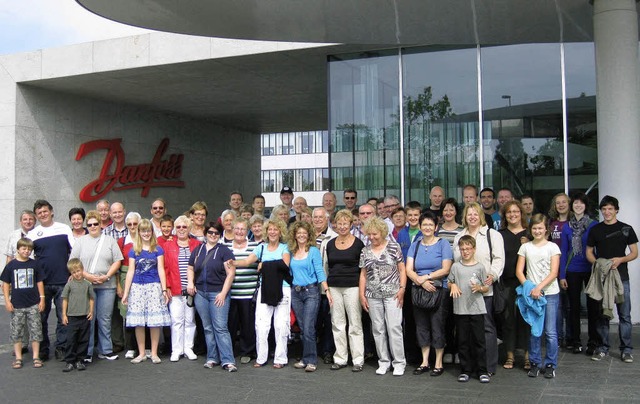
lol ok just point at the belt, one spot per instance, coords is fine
(305, 288)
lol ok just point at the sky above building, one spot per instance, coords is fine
(28, 25)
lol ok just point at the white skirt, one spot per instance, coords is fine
(146, 306)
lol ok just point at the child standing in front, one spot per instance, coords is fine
(77, 311)
(542, 259)
(466, 286)
(145, 291)
(24, 298)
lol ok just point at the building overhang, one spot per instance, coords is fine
(391, 22)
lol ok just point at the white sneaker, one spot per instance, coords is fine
(398, 371)
(174, 357)
(147, 353)
(130, 354)
(190, 355)
(382, 370)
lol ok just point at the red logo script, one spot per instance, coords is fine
(158, 173)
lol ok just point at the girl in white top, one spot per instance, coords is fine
(542, 259)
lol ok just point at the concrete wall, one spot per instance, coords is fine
(51, 126)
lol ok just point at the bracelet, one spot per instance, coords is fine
(42, 296)
(326, 291)
(402, 287)
(164, 290)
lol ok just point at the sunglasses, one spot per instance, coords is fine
(132, 224)
(180, 227)
(93, 224)
(158, 208)
(213, 233)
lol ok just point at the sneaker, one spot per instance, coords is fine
(447, 358)
(357, 368)
(174, 357)
(299, 365)
(463, 378)
(398, 371)
(598, 356)
(210, 364)
(109, 356)
(88, 359)
(534, 371)
(310, 368)
(627, 357)
(130, 354)
(68, 368)
(338, 366)
(230, 367)
(245, 359)
(192, 356)
(156, 359)
(577, 349)
(485, 379)
(382, 370)
(549, 372)
(80, 366)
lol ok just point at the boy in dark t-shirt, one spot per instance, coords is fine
(610, 239)
(24, 298)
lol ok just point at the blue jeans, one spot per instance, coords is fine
(52, 292)
(624, 324)
(103, 310)
(216, 331)
(306, 303)
(550, 333)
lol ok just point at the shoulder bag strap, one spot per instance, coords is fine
(94, 262)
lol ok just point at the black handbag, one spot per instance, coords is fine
(424, 299)
(499, 297)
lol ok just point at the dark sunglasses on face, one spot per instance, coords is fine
(213, 233)
(93, 224)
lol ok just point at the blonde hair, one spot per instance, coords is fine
(344, 214)
(144, 224)
(377, 224)
(279, 224)
(293, 229)
(92, 214)
(475, 206)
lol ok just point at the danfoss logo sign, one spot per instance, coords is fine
(116, 176)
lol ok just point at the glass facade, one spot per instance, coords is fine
(494, 116)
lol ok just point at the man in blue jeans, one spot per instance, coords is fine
(610, 239)
(52, 243)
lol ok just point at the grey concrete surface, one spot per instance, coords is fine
(579, 380)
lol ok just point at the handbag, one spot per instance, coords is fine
(499, 297)
(424, 299)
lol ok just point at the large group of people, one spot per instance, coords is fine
(424, 285)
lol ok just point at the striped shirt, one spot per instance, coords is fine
(183, 263)
(246, 279)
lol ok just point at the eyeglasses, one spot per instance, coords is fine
(466, 249)
(132, 224)
(181, 227)
(213, 233)
(157, 207)
(96, 224)
(349, 197)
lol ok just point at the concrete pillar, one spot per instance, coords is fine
(618, 107)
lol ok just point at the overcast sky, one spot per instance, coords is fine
(27, 25)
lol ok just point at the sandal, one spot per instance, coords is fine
(259, 365)
(37, 363)
(279, 365)
(508, 364)
(527, 364)
(17, 364)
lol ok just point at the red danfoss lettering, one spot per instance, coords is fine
(158, 173)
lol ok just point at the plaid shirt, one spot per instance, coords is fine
(115, 233)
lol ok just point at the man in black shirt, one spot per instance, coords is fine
(610, 239)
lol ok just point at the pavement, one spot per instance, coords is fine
(578, 380)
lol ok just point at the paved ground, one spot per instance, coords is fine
(579, 380)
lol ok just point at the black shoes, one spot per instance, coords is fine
(68, 368)
(80, 366)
